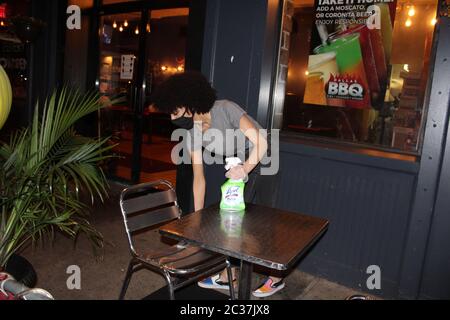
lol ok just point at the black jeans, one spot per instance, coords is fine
(261, 189)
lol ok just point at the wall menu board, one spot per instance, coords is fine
(349, 65)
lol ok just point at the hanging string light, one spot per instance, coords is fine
(115, 25)
(137, 30)
(120, 28)
(411, 11)
(408, 23)
(125, 23)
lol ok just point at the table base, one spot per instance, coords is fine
(245, 280)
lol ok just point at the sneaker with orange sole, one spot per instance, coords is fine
(268, 288)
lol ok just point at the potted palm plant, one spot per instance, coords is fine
(43, 168)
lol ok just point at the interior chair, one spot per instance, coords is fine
(145, 206)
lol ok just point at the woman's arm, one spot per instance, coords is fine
(259, 149)
(259, 143)
(199, 182)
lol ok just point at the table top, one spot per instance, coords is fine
(266, 236)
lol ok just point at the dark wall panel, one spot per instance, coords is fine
(48, 61)
(436, 272)
(429, 207)
(235, 70)
(196, 30)
(436, 275)
(368, 208)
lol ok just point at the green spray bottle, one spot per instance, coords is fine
(232, 190)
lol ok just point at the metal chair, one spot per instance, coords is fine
(149, 204)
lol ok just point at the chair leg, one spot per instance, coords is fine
(171, 291)
(170, 286)
(230, 281)
(127, 279)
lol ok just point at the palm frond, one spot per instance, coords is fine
(43, 167)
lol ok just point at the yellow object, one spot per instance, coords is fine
(5, 96)
(408, 23)
(315, 89)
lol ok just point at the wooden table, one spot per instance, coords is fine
(269, 237)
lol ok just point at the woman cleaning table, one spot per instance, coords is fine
(193, 105)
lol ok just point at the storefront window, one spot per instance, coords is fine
(356, 72)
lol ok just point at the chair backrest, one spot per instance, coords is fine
(146, 205)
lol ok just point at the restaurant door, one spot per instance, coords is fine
(137, 51)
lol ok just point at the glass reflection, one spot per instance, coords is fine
(231, 222)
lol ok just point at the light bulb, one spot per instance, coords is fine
(121, 29)
(411, 11)
(306, 72)
(125, 24)
(163, 68)
(136, 31)
(147, 28)
(180, 68)
(433, 21)
(114, 25)
(408, 23)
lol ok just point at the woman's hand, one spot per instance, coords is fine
(236, 173)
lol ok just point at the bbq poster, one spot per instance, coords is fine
(350, 53)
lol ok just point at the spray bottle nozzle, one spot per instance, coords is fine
(232, 162)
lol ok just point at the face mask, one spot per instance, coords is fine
(184, 122)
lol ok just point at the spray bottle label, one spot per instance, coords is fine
(233, 195)
(232, 190)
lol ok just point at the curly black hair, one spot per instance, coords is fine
(190, 89)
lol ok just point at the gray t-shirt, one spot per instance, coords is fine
(223, 137)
